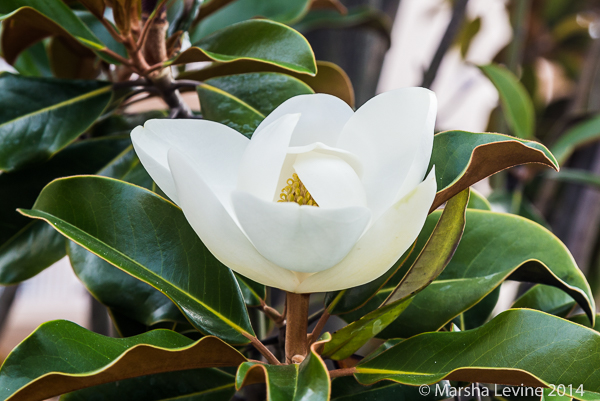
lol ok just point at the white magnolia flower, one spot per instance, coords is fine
(363, 169)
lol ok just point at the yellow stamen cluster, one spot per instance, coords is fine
(295, 191)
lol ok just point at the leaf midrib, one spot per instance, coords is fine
(50, 217)
(64, 103)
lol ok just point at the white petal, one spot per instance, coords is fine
(152, 152)
(218, 231)
(299, 238)
(381, 246)
(259, 171)
(330, 180)
(215, 149)
(387, 134)
(288, 165)
(322, 120)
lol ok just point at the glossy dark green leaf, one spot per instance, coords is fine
(307, 381)
(33, 62)
(330, 78)
(149, 238)
(259, 40)
(349, 339)
(516, 103)
(437, 252)
(243, 101)
(584, 321)
(40, 116)
(61, 357)
(478, 201)
(479, 313)
(29, 21)
(348, 389)
(252, 291)
(575, 176)
(517, 347)
(463, 158)
(494, 247)
(581, 134)
(285, 12)
(28, 247)
(187, 385)
(547, 299)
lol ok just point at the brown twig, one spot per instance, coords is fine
(272, 313)
(153, 68)
(118, 57)
(260, 347)
(341, 372)
(312, 337)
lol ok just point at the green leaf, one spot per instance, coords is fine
(259, 40)
(547, 299)
(308, 380)
(60, 357)
(348, 389)
(584, 321)
(330, 78)
(494, 247)
(40, 116)
(149, 238)
(516, 103)
(28, 247)
(187, 385)
(349, 339)
(285, 12)
(478, 201)
(252, 291)
(463, 158)
(575, 176)
(437, 252)
(33, 20)
(579, 135)
(517, 347)
(33, 62)
(478, 314)
(243, 101)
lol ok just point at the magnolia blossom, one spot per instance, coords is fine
(321, 198)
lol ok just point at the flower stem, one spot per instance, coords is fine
(296, 340)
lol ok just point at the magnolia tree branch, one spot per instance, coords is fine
(260, 347)
(296, 340)
(318, 328)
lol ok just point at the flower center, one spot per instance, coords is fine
(295, 191)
